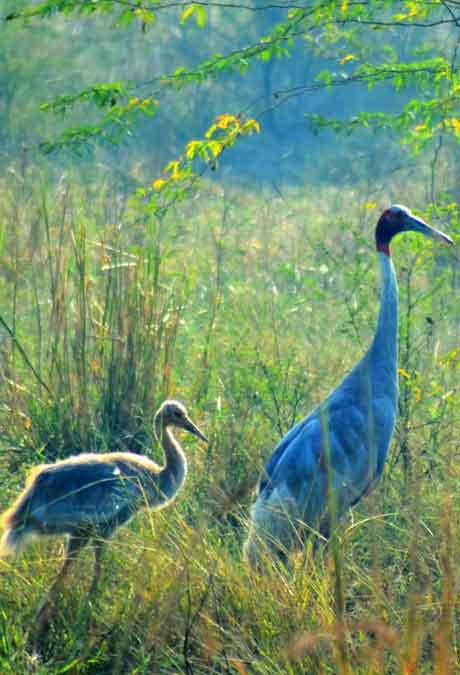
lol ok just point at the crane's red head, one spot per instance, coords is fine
(398, 219)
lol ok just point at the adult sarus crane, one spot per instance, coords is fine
(336, 455)
(90, 496)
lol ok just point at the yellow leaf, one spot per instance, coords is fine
(420, 127)
(145, 15)
(27, 423)
(224, 121)
(215, 147)
(187, 13)
(251, 125)
(404, 373)
(370, 205)
(173, 167)
(192, 149)
(413, 9)
(238, 665)
(147, 102)
(453, 123)
(344, 7)
(347, 58)
(158, 184)
(211, 130)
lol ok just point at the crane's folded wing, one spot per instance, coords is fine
(343, 440)
(82, 494)
(337, 403)
(274, 458)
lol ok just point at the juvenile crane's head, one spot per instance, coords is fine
(399, 219)
(174, 414)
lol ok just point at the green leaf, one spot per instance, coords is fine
(200, 16)
(198, 11)
(125, 18)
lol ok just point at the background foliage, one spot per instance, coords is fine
(246, 292)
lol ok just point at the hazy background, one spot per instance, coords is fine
(62, 55)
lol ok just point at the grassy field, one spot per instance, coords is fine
(249, 308)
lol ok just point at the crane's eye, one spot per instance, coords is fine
(387, 216)
(392, 213)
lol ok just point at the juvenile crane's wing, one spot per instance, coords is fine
(86, 494)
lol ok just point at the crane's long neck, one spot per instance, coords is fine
(173, 473)
(383, 350)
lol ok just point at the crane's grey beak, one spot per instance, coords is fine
(189, 426)
(419, 225)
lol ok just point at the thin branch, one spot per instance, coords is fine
(283, 95)
(154, 8)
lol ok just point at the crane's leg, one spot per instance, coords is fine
(98, 551)
(42, 618)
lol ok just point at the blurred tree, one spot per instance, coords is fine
(404, 52)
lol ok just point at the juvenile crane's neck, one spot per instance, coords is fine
(174, 471)
(383, 350)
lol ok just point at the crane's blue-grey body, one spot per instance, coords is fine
(89, 496)
(343, 443)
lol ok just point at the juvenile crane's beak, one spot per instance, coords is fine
(411, 222)
(189, 426)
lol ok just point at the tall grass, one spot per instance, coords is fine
(249, 308)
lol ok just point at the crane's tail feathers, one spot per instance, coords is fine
(16, 535)
(18, 530)
(14, 541)
(11, 543)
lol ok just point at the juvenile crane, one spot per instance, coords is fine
(90, 496)
(336, 455)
